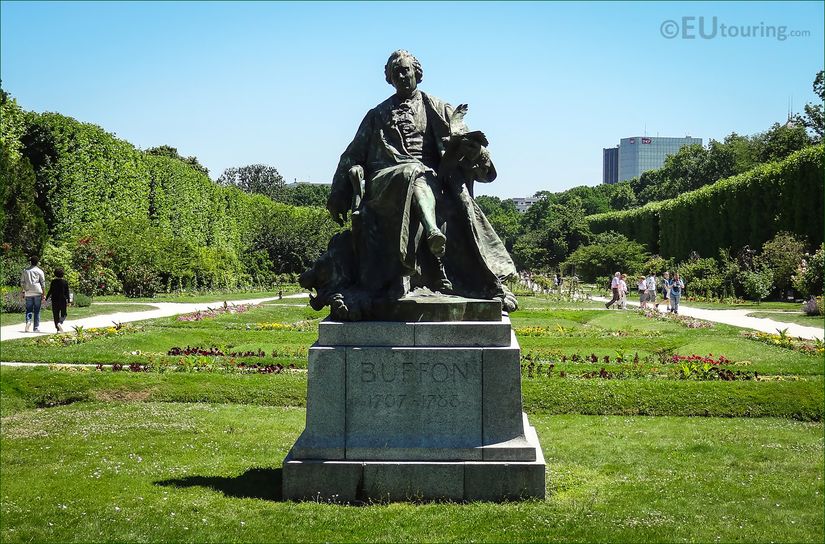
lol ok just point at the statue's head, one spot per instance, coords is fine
(403, 71)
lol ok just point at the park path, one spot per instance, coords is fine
(737, 318)
(740, 318)
(162, 309)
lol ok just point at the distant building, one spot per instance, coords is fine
(610, 165)
(641, 153)
(523, 204)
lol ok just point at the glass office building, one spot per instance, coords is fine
(610, 165)
(642, 153)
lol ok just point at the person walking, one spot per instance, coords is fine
(642, 287)
(676, 288)
(623, 292)
(666, 282)
(33, 282)
(59, 293)
(614, 286)
(650, 288)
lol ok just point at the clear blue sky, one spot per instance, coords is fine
(286, 84)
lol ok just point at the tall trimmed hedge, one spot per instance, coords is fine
(747, 209)
(89, 182)
(640, 224)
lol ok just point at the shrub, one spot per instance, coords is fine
(813, 306)
(82, 301)
(609, 252)
(783, 254)
(13, 302)
(702, 276)
(757, 283)
(808, 277)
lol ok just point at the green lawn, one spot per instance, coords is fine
(125, 471)
(167, 455)
(288, 288)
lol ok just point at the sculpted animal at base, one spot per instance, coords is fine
(333, 277)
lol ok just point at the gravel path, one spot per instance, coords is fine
(162, 309)
(740, 318)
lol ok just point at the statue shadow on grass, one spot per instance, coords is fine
(255, 483)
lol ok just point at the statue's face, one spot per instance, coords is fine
(403, 78)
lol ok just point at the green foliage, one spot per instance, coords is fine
(21, 220)
(553, 231)
(640, 224)
(609, 252)
(814, 120)
(701, 276)
(307, 194)
(172, 152)
(808, 278)
(758, 283)
(256, 179)
(746, 209)
(59, 256)
(783, 254)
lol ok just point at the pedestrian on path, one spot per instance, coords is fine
(666, 282)
(676, 287)
(650, 287)
(59, 293)
(33, 282)
(614, 286)
(623, 292)
(642, 287)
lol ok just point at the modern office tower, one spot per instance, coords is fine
(610, 165)
(642, 153)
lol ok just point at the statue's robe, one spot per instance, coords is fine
(388, 231)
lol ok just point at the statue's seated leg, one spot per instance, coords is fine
(424, 201)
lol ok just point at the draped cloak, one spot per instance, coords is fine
(387, 231)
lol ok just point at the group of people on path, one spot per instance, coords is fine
(33, 283)
(670, 288)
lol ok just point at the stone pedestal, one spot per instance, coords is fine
(423, 410)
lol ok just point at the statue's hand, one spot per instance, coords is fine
(338, 208)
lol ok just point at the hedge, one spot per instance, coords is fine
(747, 209)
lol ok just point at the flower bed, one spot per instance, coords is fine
(81, 334)
(783, 340)
(685, 321)
(215, 312)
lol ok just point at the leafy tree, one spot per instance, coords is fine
(609, 252)
(779, 142)
(169, 151)
(307, 194)
(783, 254)
(552, 231)
(623, 197)
(757, 283)
(257, 179)
(503, 216)
(814, 119)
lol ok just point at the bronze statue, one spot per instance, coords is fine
(407, 178)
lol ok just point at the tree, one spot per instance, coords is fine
(308, 194)
(814, 119)
(503, 216)
(609, 252)
(257, 179)
(757, 283)
(783, 254)
(623, 197)
(779, 141)
(169, 151)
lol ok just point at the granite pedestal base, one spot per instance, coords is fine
(401, 411)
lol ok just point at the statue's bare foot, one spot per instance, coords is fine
(437, 243)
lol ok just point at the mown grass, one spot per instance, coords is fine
(97, 472)
(93, 456)
(204, 296)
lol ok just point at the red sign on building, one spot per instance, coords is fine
(646, 140)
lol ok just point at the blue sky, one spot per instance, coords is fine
(286, 84)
